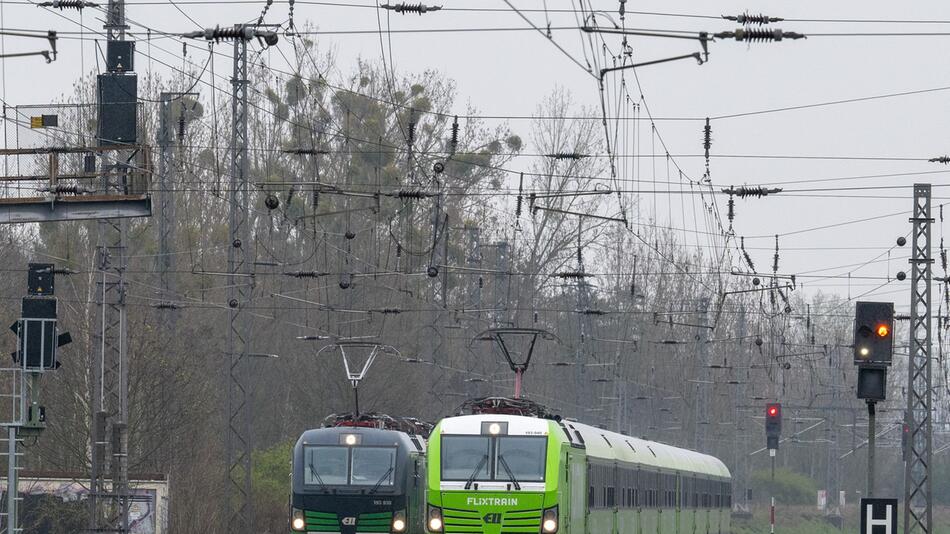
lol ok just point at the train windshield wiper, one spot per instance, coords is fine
(478, 466)
(511, 476)
(313, 471)
(381, 479)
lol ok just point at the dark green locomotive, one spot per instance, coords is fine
(358, 478)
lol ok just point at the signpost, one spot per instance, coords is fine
(878, 516)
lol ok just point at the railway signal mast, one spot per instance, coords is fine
(873, 353)
(773, 434)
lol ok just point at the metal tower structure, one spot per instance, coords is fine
(240, 278)
(703, 386)
(239, 295)
(918, 486)
(170, 137)
(109, 505)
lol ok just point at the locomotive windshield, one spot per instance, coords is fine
(501, 459)
(355, 466)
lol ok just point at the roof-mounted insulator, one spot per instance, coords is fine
(411, 194)
(707, 143)
(404, 8)
(940, 159)
(61, 189)
(756, 35)
(748, 259)
(748, 18)
(757, 192)
(454, 140)
(707, 139)
(567, 155)
(775, 258)
(411, 137)
(68, 4)
(245, 32)
(520, 200)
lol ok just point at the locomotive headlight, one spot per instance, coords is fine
(549, 521)
(297, 521)
(399, 522)
(434, 522)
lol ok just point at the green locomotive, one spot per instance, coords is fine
(361, 475)
(498, 473)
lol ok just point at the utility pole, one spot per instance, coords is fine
(742, 470)
(473, 260)
(832, 468)
(918, 486)
(240, 278)
(240, 283)
(583, 303)
(109, 505)
(702, 406)
(170, 141)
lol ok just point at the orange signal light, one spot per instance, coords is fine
(883, 330)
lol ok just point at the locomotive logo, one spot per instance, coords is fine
(492, 519)
(348, 521)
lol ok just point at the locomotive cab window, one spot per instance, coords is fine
(373, 465)
(343, 466)
(524, 456)
(465, 457)
(325, 466)
(500, 459)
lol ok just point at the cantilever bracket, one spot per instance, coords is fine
(695, 55)
(49, 55)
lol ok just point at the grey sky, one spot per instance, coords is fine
(508, 73)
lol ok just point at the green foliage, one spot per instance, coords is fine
(789, 487)
(51, 514)
(271, 474)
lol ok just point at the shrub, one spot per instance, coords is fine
(789, 487)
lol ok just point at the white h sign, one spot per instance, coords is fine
(878, 516)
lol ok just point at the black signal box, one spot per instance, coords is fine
(773, 424)
(118, 109)
(872, 383)
(37, 333)
(873, 333)
(40, 279)
(120, 56)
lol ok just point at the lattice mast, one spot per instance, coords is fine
(170, 140)
(109, 505)
(918, 485)
(239, 295)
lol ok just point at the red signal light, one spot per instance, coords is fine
(883, 330)
(773, 411)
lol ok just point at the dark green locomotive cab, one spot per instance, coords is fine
(351, 480)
